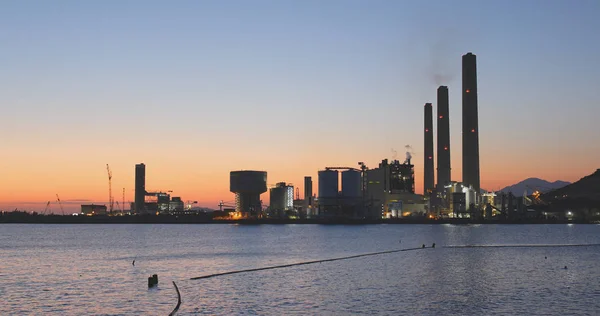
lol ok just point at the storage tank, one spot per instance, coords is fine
(282, 197)
(248, 185)
(328, 184)
(351, 183)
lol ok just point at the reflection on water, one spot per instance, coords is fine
(87, 269)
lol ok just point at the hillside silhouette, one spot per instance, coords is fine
(529, 185)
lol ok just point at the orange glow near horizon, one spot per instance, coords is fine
(25, 193)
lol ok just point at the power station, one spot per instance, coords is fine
(385, 191)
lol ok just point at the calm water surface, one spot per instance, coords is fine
(87, 270)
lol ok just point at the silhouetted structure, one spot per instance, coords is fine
(429, 181)
(328, 192)
(351, 184)
(281, 199)
(470, 125)
(308, 196)
(248, 186)
(140, 188)
(443, 138)
(391, 190)
(308, 186)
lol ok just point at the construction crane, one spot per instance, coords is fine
(60, 204)
(110, 199)
(123, 200)
(47, 208)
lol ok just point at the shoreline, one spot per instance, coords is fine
(196, 219)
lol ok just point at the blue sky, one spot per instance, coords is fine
(274, 84)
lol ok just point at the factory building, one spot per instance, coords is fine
(470, 124)
(92, 210)
(461, 199)
(391, 191)
(140, 188)
(162, 203)
(428, 181)
(281, 200)
(248, 185)
(443, 138)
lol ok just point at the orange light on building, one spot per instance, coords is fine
(430, 157)
(468, 91)
(441, 116)
(473, 131)
(446, 148)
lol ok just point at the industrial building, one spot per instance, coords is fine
(308, 210)
(161, 203)
(92, 210)
(428, 174)
(345, 203)
(470, 124)
(157, 202)
(461, 199)
(281, 200)
(390, 190)
(140, 188)
(248, 185)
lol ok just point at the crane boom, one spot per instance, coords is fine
(47, 208)
(110, 199)
(62, 211)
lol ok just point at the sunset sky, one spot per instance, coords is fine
(195, 89)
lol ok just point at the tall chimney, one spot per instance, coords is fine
(429, 181)
(140, 188)
(443, 138)
(470, 125)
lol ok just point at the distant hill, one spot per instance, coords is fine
(587, 188)
(531, 184)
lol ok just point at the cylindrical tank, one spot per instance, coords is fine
(328, 183)
(248, 186)
(282, 197)
(248, 181)
(351, 183)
